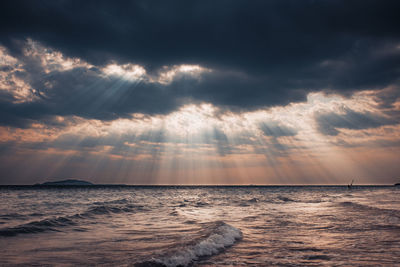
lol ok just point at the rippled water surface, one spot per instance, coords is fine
(200, 226)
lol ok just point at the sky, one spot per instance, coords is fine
(200, 92)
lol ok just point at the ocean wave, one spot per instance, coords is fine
(37, 226)
(53, 224)
(201, 204)
(12, 216)
(285, 199)
(220, 238)
(174, 213)
(364, 207)
(316, 200)
(389, 218)
(253, 200)
(104, 209)
(116, 201)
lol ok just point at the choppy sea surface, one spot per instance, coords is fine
(200, 226)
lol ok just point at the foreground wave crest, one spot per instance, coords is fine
(221, 237)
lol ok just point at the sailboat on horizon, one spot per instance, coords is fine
(350, 186)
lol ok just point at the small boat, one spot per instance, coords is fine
(350, 186)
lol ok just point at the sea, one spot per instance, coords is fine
(200, 226)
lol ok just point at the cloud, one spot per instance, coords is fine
(328, 123)
(151, 85)
(257, 54)
(60, 86)
(70, 87)
(276, 129)
(388, 97)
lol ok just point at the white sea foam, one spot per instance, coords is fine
(224, 236)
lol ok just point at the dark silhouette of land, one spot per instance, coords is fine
(69, 182)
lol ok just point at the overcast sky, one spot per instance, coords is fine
(200, 92)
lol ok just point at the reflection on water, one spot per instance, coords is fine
(158, 226)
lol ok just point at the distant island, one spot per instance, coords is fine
(398, 184)
(65, 182)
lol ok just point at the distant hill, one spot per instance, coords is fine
(67, 182)
(398, 184)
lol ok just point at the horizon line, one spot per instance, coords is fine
(194, 185)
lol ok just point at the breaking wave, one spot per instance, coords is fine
(220, 238)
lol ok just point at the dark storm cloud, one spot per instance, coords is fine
(262, 53)
(257, 35)
(387, 98)
(87, 94)
(327, 123)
